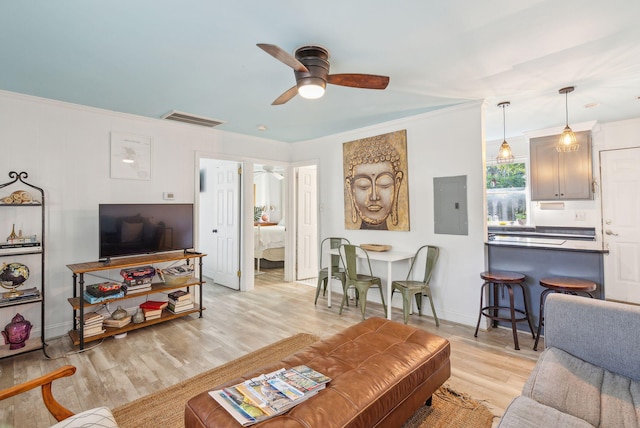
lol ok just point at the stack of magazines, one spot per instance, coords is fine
(270, 394)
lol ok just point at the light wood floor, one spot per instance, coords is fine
(117, 371)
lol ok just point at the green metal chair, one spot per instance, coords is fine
(410, 288)
(336, 271)
(360, 281)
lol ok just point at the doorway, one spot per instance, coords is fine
(620, 178)
(269, 223)
(306, 239)
(219, 211)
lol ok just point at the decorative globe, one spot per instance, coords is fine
(12, 275)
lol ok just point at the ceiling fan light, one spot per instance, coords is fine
(504, 153)
(311, 88)
(311, 92)
(568, 141)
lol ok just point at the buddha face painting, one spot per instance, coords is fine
(374, 178)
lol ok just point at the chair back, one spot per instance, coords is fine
(431, 257)
(349, 255)
(333, 242)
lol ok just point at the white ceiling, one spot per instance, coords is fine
(148, 57)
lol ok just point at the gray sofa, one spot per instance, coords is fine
(589, 372)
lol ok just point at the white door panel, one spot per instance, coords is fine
(220, 221)
(307, 224)
(620, 171)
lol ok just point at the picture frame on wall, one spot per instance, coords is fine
(130, 156)
(376, 177)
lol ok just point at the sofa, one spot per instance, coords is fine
(589, 372)
(381, 372)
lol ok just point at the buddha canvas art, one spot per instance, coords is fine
(376, 194)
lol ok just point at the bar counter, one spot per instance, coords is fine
(540, 257)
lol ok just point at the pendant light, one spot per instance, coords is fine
(568, 141)
(504, 154)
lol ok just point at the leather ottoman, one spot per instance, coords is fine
(382, 372)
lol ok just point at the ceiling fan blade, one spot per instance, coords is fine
(286, 96)
(283, 56)
(365, 81)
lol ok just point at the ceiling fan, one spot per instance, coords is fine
(311, 68)
(270, 170)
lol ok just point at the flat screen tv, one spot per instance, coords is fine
(130, 229)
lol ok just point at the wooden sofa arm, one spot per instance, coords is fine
(56, 409)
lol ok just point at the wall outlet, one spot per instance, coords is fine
(168, 196)
(580, 216)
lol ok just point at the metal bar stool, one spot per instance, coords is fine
(564, 285)
(504, 280)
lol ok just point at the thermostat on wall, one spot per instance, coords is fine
(167, 196)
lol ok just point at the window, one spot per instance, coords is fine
(507, 193)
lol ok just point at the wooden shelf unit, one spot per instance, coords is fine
(33, 216)
(78, 303)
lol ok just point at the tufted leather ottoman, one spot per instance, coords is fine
(382, 372)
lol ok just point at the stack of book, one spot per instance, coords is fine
(136, 288)
(92, 324)
(269, 395)
(180, 301)
(19, 295)
(138, 279)
(153, 309)
(111, 323)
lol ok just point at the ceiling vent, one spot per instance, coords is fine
(192, 119)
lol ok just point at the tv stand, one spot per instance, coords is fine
(79, 304)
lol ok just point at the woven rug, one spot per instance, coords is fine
(449, 409)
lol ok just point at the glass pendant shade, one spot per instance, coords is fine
(568, 141)
(504, 153)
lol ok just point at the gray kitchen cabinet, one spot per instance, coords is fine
(560, 176)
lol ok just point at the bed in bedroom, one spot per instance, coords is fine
(269, 245)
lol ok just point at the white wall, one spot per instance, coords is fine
(439, 144)
(65, 150)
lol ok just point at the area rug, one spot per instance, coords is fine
(449, 408)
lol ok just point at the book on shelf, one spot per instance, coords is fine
(138, 275)
(179, 295)
(103, 289)
(150, 314)
(136, 289)
(20, 248)
(154, 304)
(267, 395)
(110, 322)
(183, 306)
(91, 318)
(93, 299)
(92, 332)
(26, 294)
(19, 245)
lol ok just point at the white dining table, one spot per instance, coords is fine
(390, 257)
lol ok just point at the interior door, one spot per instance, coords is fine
(307, 223)
(620, 178)
(220, 221)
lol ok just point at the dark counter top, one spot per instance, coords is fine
(546, 237)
